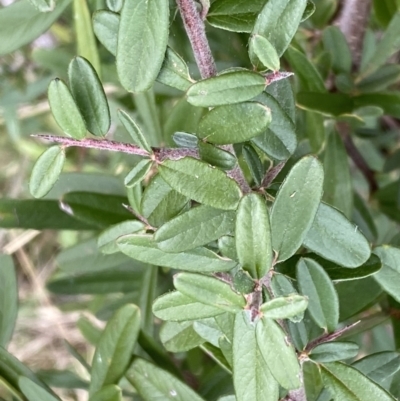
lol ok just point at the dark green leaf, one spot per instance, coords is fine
(333, 237)
(388, 101)
(227, 88)
(65, 110)
(284, 307)
(154, 383)
(199, 226)
(279, 355)
(34, 392)
(380, 80)
(328, 104)
(334, 351)
(389, 276)
(253, 236)
(115, 347)
(338, 188)
(142, 42)
(105, 26)
(179, 336)
(160, 203)
(201, 182)
(89, 96)
(362, 217)
(185, 140)
(8, 299)
(279, 141)
(234, 123)
(46, 171)
(175, 306)
(38, 215)
(282, 92)
(21, 23)
(336, 44)
(348, 384)
(210, 291)
(298, 197)
(216, 156)
(227, 246)
(315, 283)
(254, 163)
(251, 376)
(278, 22)
(262, 51)
(174, 71)
(138, 173)
(145, 249)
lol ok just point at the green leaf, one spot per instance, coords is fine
(115, 5)
(251, 376)
(107, 393)
(253, 236)
(96, 209)
(106, 241)
(227, 246)
(34, 392)
(179, 336)
(338, 188)
(254, 163)
(89, 96)
(278, 22)
(334, 351)
(210, 291)
(379, 367)
(105, 26)
(262, 51)
(298, 197)
(38, 215)
(348, 384)
(185, 140)
(387, 101)
(174, 71)
(389, 45)
(21, 23)
(316, 131)
(233, 15)
(154, 383)
(328, 104)
(142, 42)
(8, 299)
(160, 203)
(175, 306)
(86, 41)
(323, 303)
(199, 226)
(336, 44)
(234, 123)
(279, 141)
(333, 237)
(226, 88)
(134, 130)
(145, 249)
(308, 76)
(138, 173)
(282, 92)
(389, 276)
(43, 6)
(216, 157)
(65, 110)
(380, 80)
(115, 347)
(284, 307)
(46, 171)
(279, 355)
(201, 182)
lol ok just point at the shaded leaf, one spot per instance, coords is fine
(33, 391)
(107, 393)
(216, 156)
(179, 336)
(336, 44)
(334, 351)
(138, 173)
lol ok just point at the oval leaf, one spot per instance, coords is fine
(46, 171)
(210, 291)
(227, 88)
(315, 283)
(216, 157)
(252, 378)
(145, 249)
(335, 238)
(298, 197)
(65, 110)
(234, 123)
(105, 26)
(284, 307)
(262, 51)
(201, 182)
(334, 351)
(115, 347)
(279, 355)
(253, 236)
(179, 336)
(199, 226)
(138, 173)
(142, 42)
(175, 306)
(89, 96)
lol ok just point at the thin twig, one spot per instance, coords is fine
(194, 27)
